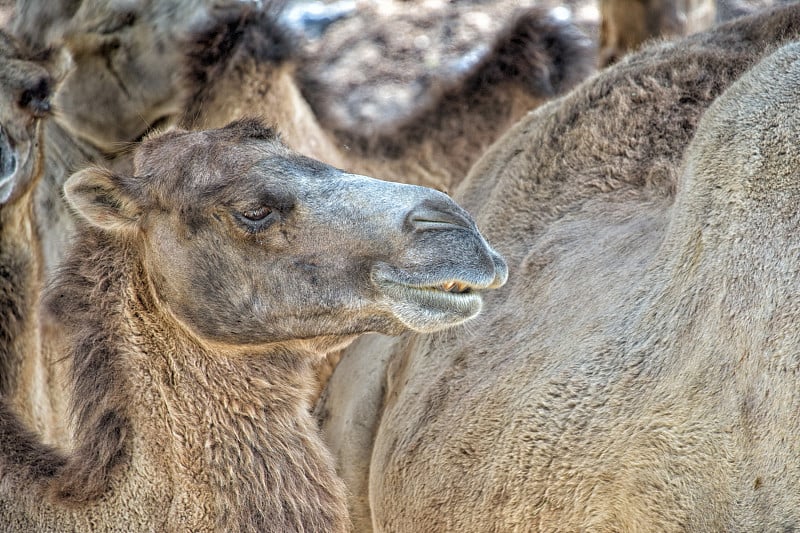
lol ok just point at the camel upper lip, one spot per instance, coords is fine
(453, 295)
(449, 285)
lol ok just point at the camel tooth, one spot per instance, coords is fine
(447, 287)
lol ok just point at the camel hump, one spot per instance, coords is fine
(740, 187)
(746, 144)
(547, 54)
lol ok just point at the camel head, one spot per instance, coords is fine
(25, 91)
(246, 242)
(125, 78)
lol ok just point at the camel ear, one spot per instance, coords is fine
(98, 196)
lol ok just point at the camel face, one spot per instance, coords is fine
(124, 80)
(247, 242)
(24, 100)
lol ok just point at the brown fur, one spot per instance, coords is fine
(192, 319)
(638, 371)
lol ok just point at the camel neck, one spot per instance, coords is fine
(240, 430)
(232, 432)
(241, 433)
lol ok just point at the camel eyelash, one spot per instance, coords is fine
(256, 220)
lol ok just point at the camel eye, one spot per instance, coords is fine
(258, 219)
(256, 215)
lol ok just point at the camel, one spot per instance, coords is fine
(128, 51)
(199, 289)
(245, 64)
(638, 372)
(25, 90)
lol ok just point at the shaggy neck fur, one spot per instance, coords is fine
(247, 415)
(233, 431)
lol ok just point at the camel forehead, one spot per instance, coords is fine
(205, 164)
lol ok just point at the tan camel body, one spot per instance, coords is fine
(638, 371)
(197, 294)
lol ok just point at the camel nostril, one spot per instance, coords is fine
(437, 214)
(500, 271)
(36, 99)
